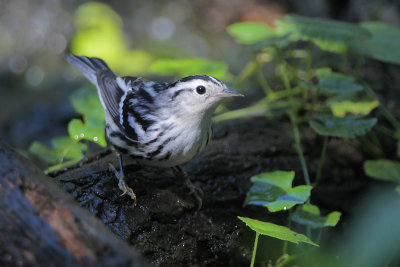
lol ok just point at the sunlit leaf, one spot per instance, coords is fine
(82, 131)
(349, 126)
(276, 231)
(309, 215)
(251, 32)
(343, 108)
(99, 33)
(334, 82)
(329, 35)
(274, 191)
(383, 169)
(62, 148)
(86, 102)
(190, 66)
(383, 45)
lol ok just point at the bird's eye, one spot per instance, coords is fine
(200, 89)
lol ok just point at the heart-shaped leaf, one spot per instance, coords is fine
(383, 45)
(309, 215)
(383, 169)
(62, 149)
(349, 126)
(276, 231)
(86, 102)
(78, 130)
(274, 191)
(337, 83)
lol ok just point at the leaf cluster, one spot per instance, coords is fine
(330, 99)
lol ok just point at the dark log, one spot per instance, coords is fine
(41, 225)
(165, 225)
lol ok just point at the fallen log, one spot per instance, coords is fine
(41, 225)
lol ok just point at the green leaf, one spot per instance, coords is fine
(274, 191)
(383, 169)
(383, 45)
(349, 126)
(276, 231)
(190, 66)
(329, 35)
(80, 131)
(340, 109)
(99, 33)
(63, 148)
(280, 42)
(251, 32)
(333, 82)
(309, 215)
(86, 102)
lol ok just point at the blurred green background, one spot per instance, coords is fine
(146, 39)
(35, 80)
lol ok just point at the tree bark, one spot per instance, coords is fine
(41, 225)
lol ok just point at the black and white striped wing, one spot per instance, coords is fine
(139, 108)
(110, 94)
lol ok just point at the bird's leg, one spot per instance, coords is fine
(121, 182)
(194, 190)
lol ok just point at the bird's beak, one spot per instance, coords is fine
(228, 93)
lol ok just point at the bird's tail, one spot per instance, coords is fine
(89, 66)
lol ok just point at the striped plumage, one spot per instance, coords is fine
(158, 124)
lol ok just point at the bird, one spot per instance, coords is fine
(156, 123)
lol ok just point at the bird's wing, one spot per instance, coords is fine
(110, 87)
(111, 90)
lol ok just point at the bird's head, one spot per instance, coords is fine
(199, 94)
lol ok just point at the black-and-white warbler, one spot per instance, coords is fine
(158, 124)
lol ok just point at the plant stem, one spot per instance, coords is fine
(253, 258)
(283, 71)
(299, 149)
(283, 93)
(309, 61)
(285, 243)
(247, 72)
(319, 235)
(263, 81)
(257, 108)
(288, 259)
(321, 161)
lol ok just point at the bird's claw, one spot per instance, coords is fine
(126, 190)
(196, 192)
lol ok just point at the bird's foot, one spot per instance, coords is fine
(195, 191)
(126, 190)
